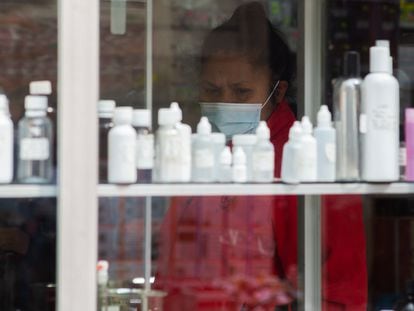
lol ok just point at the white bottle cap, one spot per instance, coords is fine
(306, 125)
(379, 59)
(218, 138)
(106, 108)
(225, 156)
(166, 117)
(175, 107)
(204, 127)
(4, 104)
(239, 157)
(123, 115)
(383, 43)
(40, 87)
(295, 131)
(244, 139)
(324, 117)
(102, 268)
(35, 102)
(263, 130)
(141, 118)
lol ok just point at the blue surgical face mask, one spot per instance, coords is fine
(234, 118)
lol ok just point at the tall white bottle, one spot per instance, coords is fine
(121, 148)
(184, 132)
(263, 155)
(308, 166)
(380, 120)
(325, 136)
(6, 142)
(291, 159)
(203, 153)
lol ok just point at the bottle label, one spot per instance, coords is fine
(145, 151)
(382, 118)
(330, 152)
(35, 149)
(263, 161)
(204, 158)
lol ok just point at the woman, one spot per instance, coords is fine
(245, 245)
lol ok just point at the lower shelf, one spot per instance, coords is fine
(28, 191)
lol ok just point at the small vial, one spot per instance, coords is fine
(35, 136)
(225, 171)
(203, 153)
(239, 166)
(292, 150)
(144, 153)
(105, 114)
(6, 142)
(263, 155)
(121, 148)
(309, 153)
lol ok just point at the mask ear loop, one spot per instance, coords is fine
(271, 94)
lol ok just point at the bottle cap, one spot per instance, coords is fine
(141, 118)
(4, 104)
(352, 64)
(263, 130)
(166, 117)
(239, 157)
(244, 139)
(225, 156)
(218, 138)
(379, 59)
(102, 267)
(106, 108)
(35, 102)
(324, 117)
(307, 127)
(383, 43)
(204, 127)
(40, 87)
(295, 131)
(122, 115)
(409, 115)
(175, 107)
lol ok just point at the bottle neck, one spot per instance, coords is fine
(105, 115)
(35, 113)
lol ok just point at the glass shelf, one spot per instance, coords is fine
(28, 191)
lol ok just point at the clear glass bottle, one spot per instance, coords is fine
(105, 113)
(141, 121)
(263, 155)
(35, 136)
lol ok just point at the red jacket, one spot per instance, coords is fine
(209, 243)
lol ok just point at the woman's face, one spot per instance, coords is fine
(233, 79)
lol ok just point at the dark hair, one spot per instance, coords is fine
(249, 33)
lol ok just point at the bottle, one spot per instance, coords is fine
(6, 142)
(386, 44)
(43, 88)
(184, 132)
(263, 155)
(407, 303)
(144, 153)
(239, 166)
(219, 142)
(246, 142)
(325, 136)
(291, 159)
(409, 144)
(103, 299)
(35, 136)
(105, 114)
(309, 153)
(225, 170)
(380, 120)
(168, 162)
(203, 153)
(347, 105)
(121, 148)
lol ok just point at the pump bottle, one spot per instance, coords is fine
(203, 153)
(6, 142)
(225, 170)
(121, 148)
(380, 120)
(35, 136)
(144, 153)
(291, 159)
(239, 165)
(309, 152)
(263, 155)
(325, 140)
(105, 114)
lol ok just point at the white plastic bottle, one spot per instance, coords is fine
(247, 143)
(219, 141)
(203, 153)
(263, 155)
(291, 159)
(239, 165)
(121, 148)
(184, 131)
(309, 153)
(168, 162)
(225, 171)
(144, 153)
(35, 137)
(325, 136)
(380, 120)
(6, 142)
